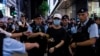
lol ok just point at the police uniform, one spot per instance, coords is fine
(98, 43)
(8, 45)
(67, 28)
(85, 31)
(23, 29)
(10, 27)
(11, 45)
(41, 40)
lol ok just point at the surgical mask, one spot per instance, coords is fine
(56, 22)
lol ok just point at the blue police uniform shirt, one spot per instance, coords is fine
(11, 46)
(29, 28)
(92, 30)
(74, 29)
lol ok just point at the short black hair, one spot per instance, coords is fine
(37, 15)
(9, 18)
(65, 17)
(96, 18)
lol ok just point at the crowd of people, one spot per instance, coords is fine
(56, 36)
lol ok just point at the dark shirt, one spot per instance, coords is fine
(57, 35)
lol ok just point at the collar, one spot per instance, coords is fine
(82, 24)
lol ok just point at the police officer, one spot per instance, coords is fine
(67, 26)
(38, 27)
(65, 23)
(87, 33)
(23, 26)
(97, 20)
(10, 25)
(8, 45)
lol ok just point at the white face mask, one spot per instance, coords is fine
(56, 22)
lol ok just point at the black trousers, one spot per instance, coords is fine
(35, 52)
(98, 47)
(57, 52)
(85, 51)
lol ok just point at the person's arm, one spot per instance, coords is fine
(5, 32)
(13, 45)
(87, 42)
(14, 35)
(70, 50)
(84, 43)
(11, 34)
(13, 31)
(59, 44)
(20, 24)
(37, 34)
(31, 45)
(93, 34)
(52, 49)
(23, 25)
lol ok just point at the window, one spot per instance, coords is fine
(54, 1)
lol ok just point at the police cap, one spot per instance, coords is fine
(82, 10)
(65, 17)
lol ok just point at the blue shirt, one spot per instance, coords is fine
(92, 30)
(11, 45)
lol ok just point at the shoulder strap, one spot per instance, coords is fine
(89, 23)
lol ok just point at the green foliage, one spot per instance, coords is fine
(44, 7)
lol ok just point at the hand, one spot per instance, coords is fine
(42, 34)
(51, 40)
(47, 36)
(73, 45)
(51, 50)
(36, 45)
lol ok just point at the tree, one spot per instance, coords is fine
(44, 7)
